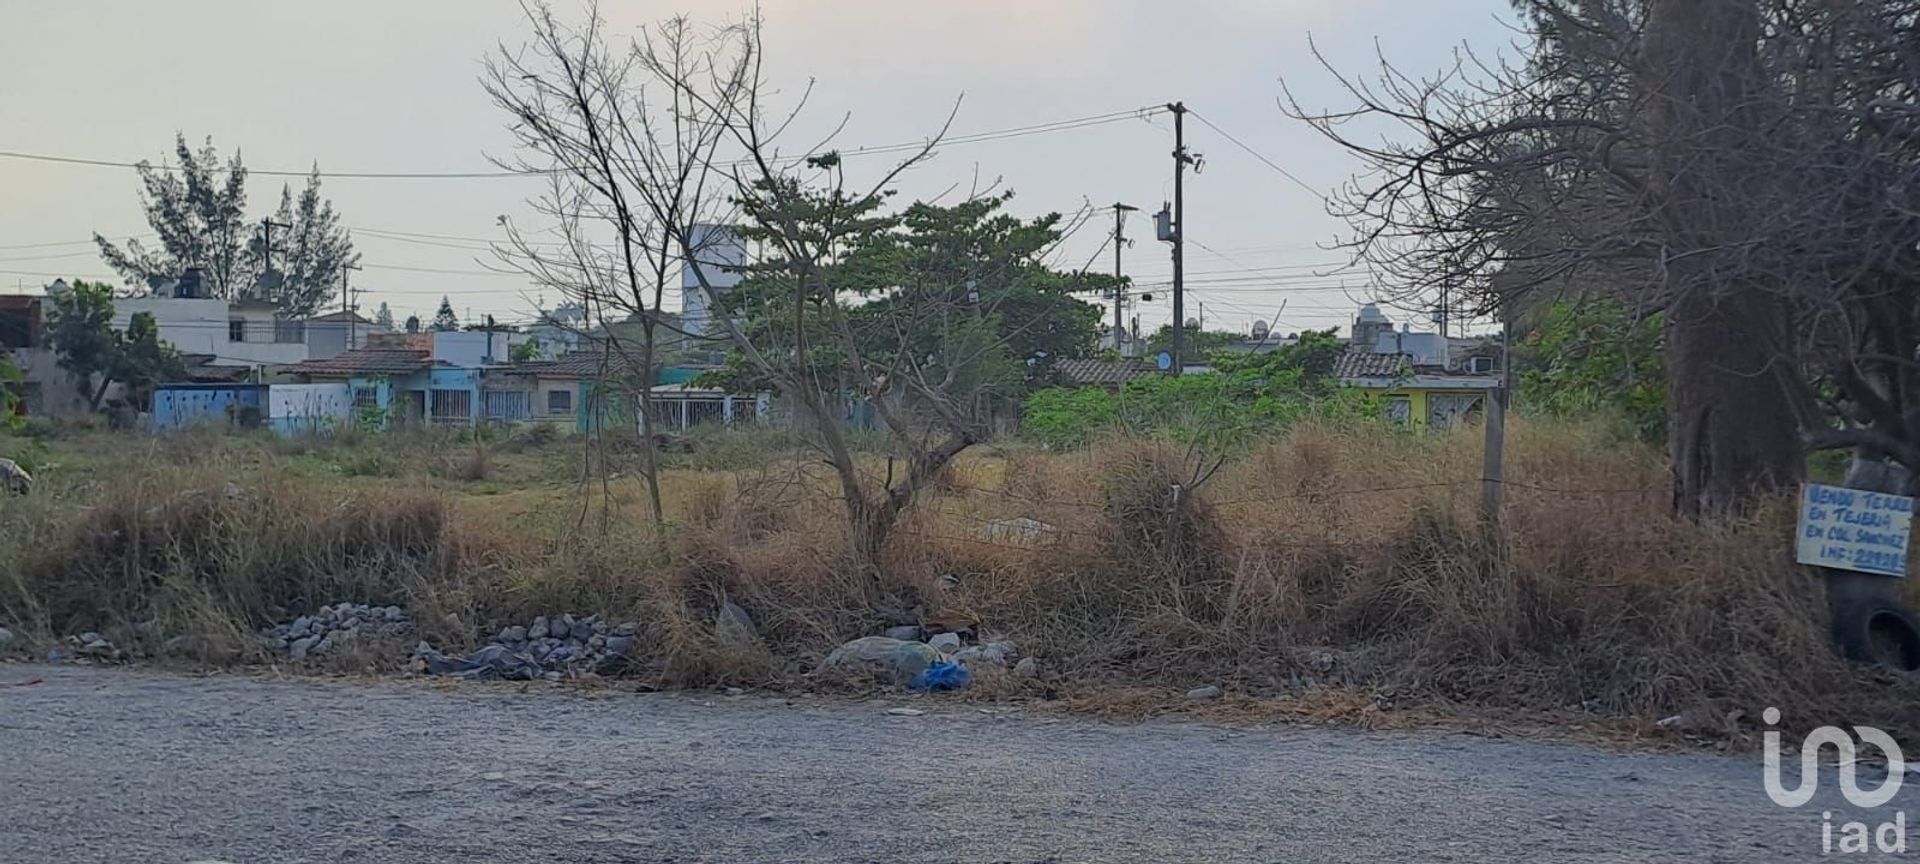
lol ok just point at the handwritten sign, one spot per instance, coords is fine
(1853, 529)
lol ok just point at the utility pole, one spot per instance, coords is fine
(1181, 158)
(266, 228)
(347, 304)
(1119, 284)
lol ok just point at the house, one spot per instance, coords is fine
(679, 407)
(402, 386)
(559, 330)
(245, 332)
(1416, 373)
(336, 333)
(45, 389)
(549, 391)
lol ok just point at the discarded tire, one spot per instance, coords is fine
(1877, 630)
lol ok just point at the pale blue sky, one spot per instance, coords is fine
(376, 85)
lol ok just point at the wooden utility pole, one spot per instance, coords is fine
(1493, 464)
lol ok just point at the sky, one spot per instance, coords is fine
(381, 86)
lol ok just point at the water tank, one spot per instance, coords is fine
(1260, 330)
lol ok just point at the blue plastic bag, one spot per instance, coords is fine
(943, 676)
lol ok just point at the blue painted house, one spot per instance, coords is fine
(400, 385)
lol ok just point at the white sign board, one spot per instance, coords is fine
(1853, 529)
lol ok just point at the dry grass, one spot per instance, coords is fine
(1343, 571)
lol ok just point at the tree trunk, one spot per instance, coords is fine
(1730, 431)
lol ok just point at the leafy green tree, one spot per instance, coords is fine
(960, 293)
(1201, 344)
(80, 328)
(444, 320)
(1596, 355)
(1245, 396)
(303, 268)
(198, 208)
(525, 352)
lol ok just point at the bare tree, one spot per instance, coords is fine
(652, 145)
(629, 155)
(1745, 167)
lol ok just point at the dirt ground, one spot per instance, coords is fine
(128, 765)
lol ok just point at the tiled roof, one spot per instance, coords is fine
(365, 361)
(1095, 371)
(1367, 364)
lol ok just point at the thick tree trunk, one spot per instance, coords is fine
(1730, 431)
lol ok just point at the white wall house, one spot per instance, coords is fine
(236, 333)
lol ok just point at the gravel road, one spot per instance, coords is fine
(127, 765)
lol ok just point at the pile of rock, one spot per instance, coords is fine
(562, 646)
(332, 627)
(95, 646)
(904, 652)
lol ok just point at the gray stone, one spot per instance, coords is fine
(301, 647)
(585, 629)
(558, 627)
(597, 642)
(301, 626)
(98, 648)
(945, 643)
(512, 636)
(618, 646)
(1026, 668)
(90, 636)
(990, 654)
(393, 614)
(6, 636)
(540, 650)
(554, 675)
(908, 633)
(734, 624)
(539, 629)
(1207, 692)
(422, 649)
(627, 629)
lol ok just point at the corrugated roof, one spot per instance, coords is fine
(1095, 371)
(365, 361)
(1367, 364)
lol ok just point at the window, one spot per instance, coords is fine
(1400, 410)
(366, 397)
(559, 402)
(1480, 365)
(451, 406)
(505, 404)
(236, 330)
(286, 331)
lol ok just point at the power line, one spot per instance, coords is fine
(969, 138)
(1258, 155)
